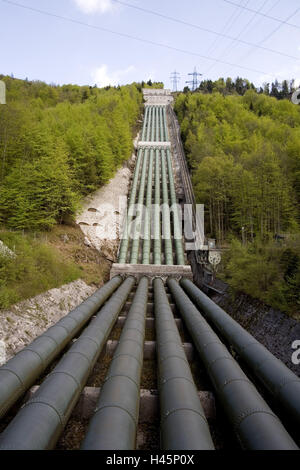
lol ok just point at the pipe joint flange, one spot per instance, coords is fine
(114, 405)
(122, 375)
(90, 338)
(227, 382)
(5, 368)
(55, 372)
(219, 359)
(36, 400)
(50, 337)
(174, 410)
(245, 414)
(89, 360)
(37, 354)
(282, 383)
(175, 356)
(164, 381)
(116, 356)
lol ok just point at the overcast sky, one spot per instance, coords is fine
(56, 50)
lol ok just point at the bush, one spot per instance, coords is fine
(36, 268)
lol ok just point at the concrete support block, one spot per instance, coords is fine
(151, 271)
(150, 322)
(150, 349)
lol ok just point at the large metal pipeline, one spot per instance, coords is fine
(280, 381)
(149, 121)
(145, 123)
(161, 126)
(176, 222)
(128, 218)
(183, 422)
(114, 423)
(41, 420)
(20, 372)
(135, 247)
(157, 225)
(157, 124)
(254, 423)
(165, 124)
(148, 211)
(153, 124)
(166, 213)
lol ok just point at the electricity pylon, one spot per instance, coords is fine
(175, 78)
(195, 82)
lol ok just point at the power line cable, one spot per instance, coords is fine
(271, 33)
(201, 28)
(226, 27)
(135, 38)
(263, 14)
(232, 45)
(257, 23)
(226, 48)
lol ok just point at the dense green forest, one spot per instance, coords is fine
(57, 144)
(240, 85)
(244, 154)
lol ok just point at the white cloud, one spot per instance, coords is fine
(95, 6)
(286, 73)
(102, 77)
(297, 83)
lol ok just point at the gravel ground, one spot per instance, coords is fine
(23, 322)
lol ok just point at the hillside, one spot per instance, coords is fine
(57, 144)
(65, 142)
(244, 155)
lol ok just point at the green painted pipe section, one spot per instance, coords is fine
(145, 123)
(176, 223)
(162, 130)
(153, 124)
(42, 419)
(280, 382)
(157, 225)
(157, 124)
(147, 223)
(115, 420)
(165, 121)
(254, 423)
(21, 372)
(166, 213)
(149, 123)
(135, 247)
(128, 218)
(183, 423)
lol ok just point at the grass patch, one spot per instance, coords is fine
(36, 268)
(266, 271)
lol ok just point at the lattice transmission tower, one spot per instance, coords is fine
(194, 82)
(175, 78)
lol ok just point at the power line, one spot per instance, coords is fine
(226, 27)
(272, 33)
(262, 14)
(201, 28)
(175, 78)
(135, 38)
(232, 42)
(257, 23)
